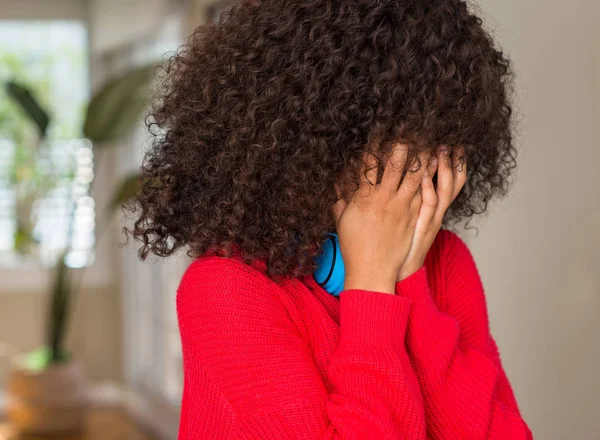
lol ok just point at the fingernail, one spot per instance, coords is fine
(433, 161)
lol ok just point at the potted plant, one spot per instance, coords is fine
(47, 388)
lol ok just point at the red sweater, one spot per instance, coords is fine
(291, 361)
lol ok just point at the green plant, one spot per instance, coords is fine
(110, 114)
(29, 181)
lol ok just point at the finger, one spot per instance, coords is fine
(368, 174)
(430, 199)
(412, 179)
(432, 167)
(392, 174)
(414, 208)
(445, 182)
(338, 209)
(339, 206)
(459, 170)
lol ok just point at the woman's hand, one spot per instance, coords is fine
(376, 227)
(452, 175)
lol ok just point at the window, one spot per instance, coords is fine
(152, 349)
(44, 185)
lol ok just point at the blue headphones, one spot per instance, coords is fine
(330, 272)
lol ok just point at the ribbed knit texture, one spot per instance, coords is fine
(290, 361)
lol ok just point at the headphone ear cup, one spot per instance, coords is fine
(330, 271)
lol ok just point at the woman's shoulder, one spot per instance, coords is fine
(225, 272)
(230, 279)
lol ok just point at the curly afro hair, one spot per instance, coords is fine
(261, 115)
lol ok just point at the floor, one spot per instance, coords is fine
(103, 424)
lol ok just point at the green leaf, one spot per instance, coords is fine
(118, 105)
(127, 189)
(42, 358)
(23, 97)
(23, 240)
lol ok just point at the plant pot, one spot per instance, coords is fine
(50, 401)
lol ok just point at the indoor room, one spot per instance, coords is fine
(91, 334)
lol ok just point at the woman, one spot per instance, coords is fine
(381, 121)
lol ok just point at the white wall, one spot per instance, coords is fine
(539, 249)
(118, 22)
(43, 9)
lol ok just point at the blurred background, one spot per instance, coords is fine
(88, 333)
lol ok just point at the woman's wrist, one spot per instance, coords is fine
(406, 272)
(377, 283)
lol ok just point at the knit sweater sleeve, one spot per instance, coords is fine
(466, 392)
(249, 373)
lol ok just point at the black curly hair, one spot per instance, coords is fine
(260, 115)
